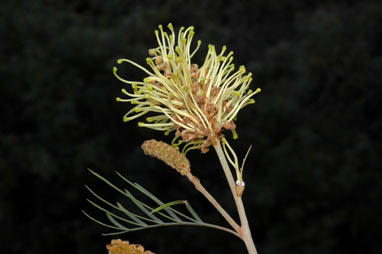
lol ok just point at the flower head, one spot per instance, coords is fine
(197, 102)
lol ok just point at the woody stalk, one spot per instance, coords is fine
(197, 104)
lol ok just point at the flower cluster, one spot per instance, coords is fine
(118, 246)
(197, 102)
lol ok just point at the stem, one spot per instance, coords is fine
(212, 200)
(245, 230)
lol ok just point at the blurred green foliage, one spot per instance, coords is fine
(314, 181)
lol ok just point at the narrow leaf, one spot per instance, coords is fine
(245, 158)
(99, 197)
(99, 222)
(164, 206)
(140, 206)
(172, 216)
(107, 182)
(124, 178)
(107, 211)
(156, 200)
(119, 208)
(134, 216)
(115, 233)
(192, 211)
(116, 223)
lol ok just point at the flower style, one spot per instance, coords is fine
(198, 103)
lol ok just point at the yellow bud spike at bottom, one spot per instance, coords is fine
(167, 153)
(117, 246)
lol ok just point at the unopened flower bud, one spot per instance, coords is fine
(117, 246)
(169, 154)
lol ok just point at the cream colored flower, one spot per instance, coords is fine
(197, 102)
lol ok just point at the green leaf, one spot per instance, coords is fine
(107, 211)
(133, 216)
(155, 199)
(108, 182)
(143, 209)
(138, 220)
(192, 211)
(122, 209)
(97, 221)
(115, 233)
(164, 206)
(116, 223)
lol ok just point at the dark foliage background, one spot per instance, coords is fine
(314, 182)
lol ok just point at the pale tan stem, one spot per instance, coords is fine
(212, 200)
(246, 232)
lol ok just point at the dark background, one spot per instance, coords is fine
(314, 181)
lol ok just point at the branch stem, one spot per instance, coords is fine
(213, 201)
(244, 229)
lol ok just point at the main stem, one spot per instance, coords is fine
(245, 230)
